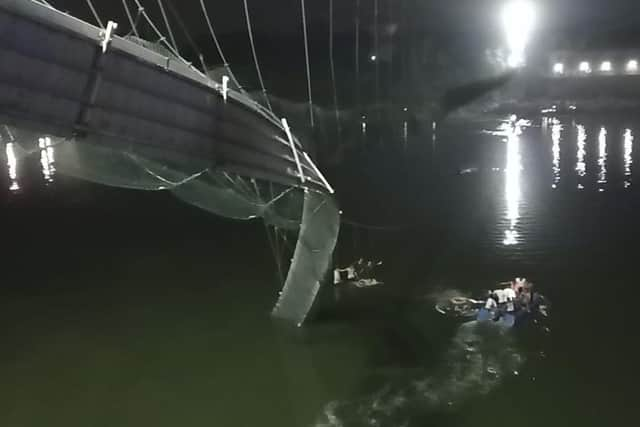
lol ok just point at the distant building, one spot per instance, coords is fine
(610, 62)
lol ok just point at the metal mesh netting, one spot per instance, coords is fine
(191, 180)
(227, 194)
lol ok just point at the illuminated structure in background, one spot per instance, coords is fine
(558, 68)
(619, 62)
(584, 67)
(587, 79)
(518, 18)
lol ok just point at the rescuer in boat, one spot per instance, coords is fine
(345, 274)
(515, 299)
(360, 274)
(510, 304)
(491, 304)
(366, 270)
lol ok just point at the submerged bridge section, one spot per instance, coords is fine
(103, 93)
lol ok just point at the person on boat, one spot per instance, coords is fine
(340, 273)
(538, 302)
(519, 284)
(524, 299)
(510, 299)
(489, 310)
(501, 300)
(491, 304)
(367, 270)
(500, 296)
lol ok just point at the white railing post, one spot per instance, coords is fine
(107, 35)
(225, 87)
(317, 171)
(293, 148)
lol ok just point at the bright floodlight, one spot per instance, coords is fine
(518, 18)
(373, 57)
(606, 67)
(632, 66)
(585, 67)
(558, 68)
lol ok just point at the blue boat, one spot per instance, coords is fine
(469, 309)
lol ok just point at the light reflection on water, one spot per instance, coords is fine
(16, 153)
(628, 159)
(12, 167)
(603, 146)
(556, 136)
(581, 166)
(602, 158)
(512, 184)
(47, 158)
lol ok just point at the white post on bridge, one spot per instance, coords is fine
(293, 148)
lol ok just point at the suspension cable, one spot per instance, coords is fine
(166, 24)
(95, 14)
(306, 53)
(161, 37)
(132, 22)
(376, 46)
(388, 86)
(255, 56)
(333, 72)
(357, 53)
(218, 47)
(266, 113)
(186, 33)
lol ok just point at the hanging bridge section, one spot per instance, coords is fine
(65, 77)
(131, 115)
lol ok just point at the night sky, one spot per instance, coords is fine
(283, 16)
(460, 31)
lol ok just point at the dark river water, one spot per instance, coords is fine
(129, 308)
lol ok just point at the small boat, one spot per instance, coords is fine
(469, 309)
(360, 283)
(460, 308)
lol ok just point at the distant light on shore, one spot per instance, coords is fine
(518, 18)
(585, 67)
(558, 68)
(606, 67)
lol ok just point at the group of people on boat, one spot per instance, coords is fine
(518, 297)
(360, 271)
